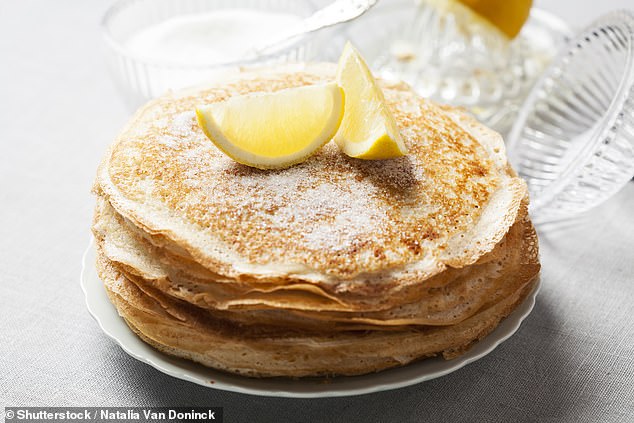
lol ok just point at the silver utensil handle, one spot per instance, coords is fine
(337, 12)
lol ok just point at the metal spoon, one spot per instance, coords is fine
(337, 12)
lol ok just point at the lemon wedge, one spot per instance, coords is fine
(508, 16)
(274, 130)
(368, 130)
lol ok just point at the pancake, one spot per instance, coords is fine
(261, 351)
(444, 299)
(353, 224)
(335, 266)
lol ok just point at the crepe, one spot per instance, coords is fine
(264, 351)
(333, 266)
(448, 298)
(330, 219)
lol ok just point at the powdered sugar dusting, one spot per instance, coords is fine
(161, 123)
(331, 212)
(182, 123)
(334, 218)
(168, 141)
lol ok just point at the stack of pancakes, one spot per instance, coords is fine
(333, 266)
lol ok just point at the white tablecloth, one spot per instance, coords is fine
(571, 361)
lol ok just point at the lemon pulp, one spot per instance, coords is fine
(368, 130)
(274, 130)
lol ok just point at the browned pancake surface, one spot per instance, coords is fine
(333, 214)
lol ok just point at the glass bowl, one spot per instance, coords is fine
(141, 78)
(573, 140)
(452, 60)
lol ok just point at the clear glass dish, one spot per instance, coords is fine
(573, 140)
(454, 61)
(140, 79)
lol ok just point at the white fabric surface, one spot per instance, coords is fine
(571, 361)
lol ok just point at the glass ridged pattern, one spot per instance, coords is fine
(447, 56)
(573, 141)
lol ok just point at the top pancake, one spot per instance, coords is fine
(331, 219)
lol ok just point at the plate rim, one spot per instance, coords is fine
(175, 366)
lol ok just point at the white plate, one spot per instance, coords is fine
(115, 327)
